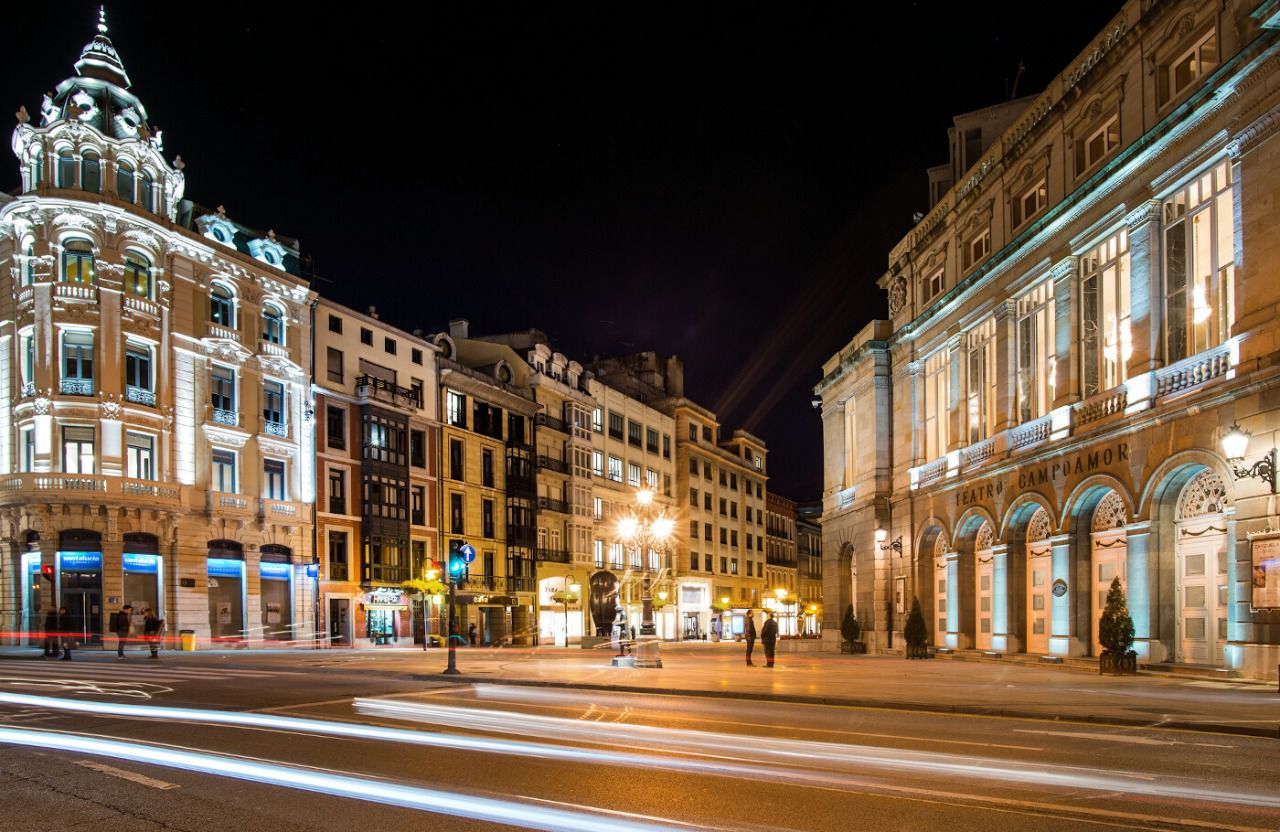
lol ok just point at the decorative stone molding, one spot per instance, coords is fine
(1038, 527)
(1109, 514)
(1206, 493)
(224, 436)
(1148, 211)
(1258, 131)
(985, 537)
(897, 295)
(1066, 267)
(111, 407)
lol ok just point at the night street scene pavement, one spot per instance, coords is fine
(607, 417)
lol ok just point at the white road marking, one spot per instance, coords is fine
(131, 776)
(282, 708)
(1129, 738)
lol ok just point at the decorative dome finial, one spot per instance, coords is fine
(99, 58)
(102, 19)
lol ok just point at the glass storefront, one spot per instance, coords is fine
(142, 582)
(277, 611)
(226, 599)
(80, 588)
(381, 624)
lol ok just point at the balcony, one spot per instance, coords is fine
(134, 303)
(139, 395)
(1100, 407)
(371, 388)
(79, 488)
(225, 417)
(496, 584)
(550, 463)
(282, 511)
(273, 349)
(28, 390)
(271, 427)
(76, 387)
(234, 506)
(553, 556)
(152, 493)
(75, 291)
(1196, 370)
(543, 420)
(550, 504)
(213, 330)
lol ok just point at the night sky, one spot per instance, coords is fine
(719, 181)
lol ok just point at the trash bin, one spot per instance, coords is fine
(187, 640)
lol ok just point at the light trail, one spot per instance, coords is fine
(512, 813)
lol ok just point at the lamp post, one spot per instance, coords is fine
(882, 540)
(567, 596)
(781, 594)
(1235, 443)
(643, 529)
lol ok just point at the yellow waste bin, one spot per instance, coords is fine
(187, 639)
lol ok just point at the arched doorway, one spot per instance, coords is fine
(1201, 571)
(939, 568)
(1109, 554)
(1039, 555)
(984, 572)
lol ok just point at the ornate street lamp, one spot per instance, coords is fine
(1235, 443)
(646, 528)
(568, 595)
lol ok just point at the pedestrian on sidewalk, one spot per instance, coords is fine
(152, 630)
(120, 624)
(67, 629)
(52, 629)
(750, 635)
(472, 634)
(769, 638)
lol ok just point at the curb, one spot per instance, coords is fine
(875, 704)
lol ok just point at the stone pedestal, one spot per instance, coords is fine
(648, 651)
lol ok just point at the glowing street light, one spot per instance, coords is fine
(1235, 444)
(646, 529)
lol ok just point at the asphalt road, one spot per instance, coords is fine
(163, 745)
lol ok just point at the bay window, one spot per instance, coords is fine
(77, 363)
(77, 262)
(1199, 249)
(1106, 339)
(1036, 379)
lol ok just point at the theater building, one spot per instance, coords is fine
(153, 398)
(1074, 329)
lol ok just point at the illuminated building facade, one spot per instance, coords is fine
(781, 575)
(1074, 327)
(809, 567)
(154, 418)
(377, 459)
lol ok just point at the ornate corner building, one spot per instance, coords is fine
(156, 426)
(1075, 325)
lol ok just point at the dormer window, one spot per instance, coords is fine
(1179, 74)
(77, 262)
(137, 274)
(1028, 204)
(91, 172)
(273, 324)
(66, 168)
(222, 306)
(124, 180)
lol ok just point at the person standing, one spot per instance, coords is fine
(769, 638)
(152, 629)
(69, 633)
(472, 634)
(750, 635)
(123, 621)
(52, 629)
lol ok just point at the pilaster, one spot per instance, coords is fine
(1066, 335)
(1145, 310)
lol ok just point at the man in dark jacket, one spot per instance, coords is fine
(123, 621)
(769, 638)
(70, 629)
(152, 630)
(52, 629)
(750, 635)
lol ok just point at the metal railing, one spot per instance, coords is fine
(372, 387)
(548, 421)
(551, 504)
(139, 395)
(226, 417)
(553, 555)
(272, 428)
(76, 387)
(550, 463)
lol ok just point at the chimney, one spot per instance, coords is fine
(675, 377)
(373, 312)
(459, 327)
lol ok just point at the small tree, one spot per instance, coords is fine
(850, 629)
(915, 632)
(1115, 627)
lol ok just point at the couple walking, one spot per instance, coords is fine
(152, 629)
(768, 637)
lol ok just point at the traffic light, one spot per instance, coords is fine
(457, 565)
(46, 571)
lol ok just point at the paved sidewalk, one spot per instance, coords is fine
(996, 689)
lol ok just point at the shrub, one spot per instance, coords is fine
(915, 631)
(1115, 627)
(850, 629)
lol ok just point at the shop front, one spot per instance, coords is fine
(694, 609)
(784, 613)
(143, 573)
(226, 576)
(275, 587)
(559, 611)
(80, 583)
(386, 623)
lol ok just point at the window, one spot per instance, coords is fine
(77, 262)
(457, 467)
(486, 518)
(693, 432)
(597, 508)
(91, 172)
(486, 467)
(140, 456)
(724, 507)
(389, 346)
(706, 470)
(615, 469)
(415, 355)
(77, 363)
(750, 516)
(335, 324)
(693, 561)
(615, 555)
(418, 505)
(733, 481)
(1097, 145)
(615, 425)
(144, 192)
(336, 427)
(415, 387)
(418, 449)
(29, 264)
(983, 379)
(932, 285)
(222, 308)
(222, 389)
(706, 532)
(597, 463)
(273, 479)
(733, 566)
(693, 466)
(273, 408)
(455, 409)
(598, 548)
(693, 497)
(366, 336)
(1199, 246)
(1106, 342)
(137, 374)
(651, 479)
(651, 440)
(66, 168)
(137, 274)
(937, 401)
(706, 566)
(724, 564)
(724, 536)
(486, 419)
(1177, 75)
(455, 513)
(338, 556)
(733, 510)
(633, 475)
(976, 248)
(666, 484)
(597, 420)
(333, 359)
(224, 471)
(28, 445)
(733, 538)
(706, 500)
(750, 544)
(1028, 204)
(77, 450)
(724, 478)
(27, 359)
(706, 434)
(386, 561)
(272, 324)
(1036, 377)
(124, 180)
(666, 446)
(337, 491)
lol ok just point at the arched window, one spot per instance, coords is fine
(66, 168)
(273, 324)
(124, 180)
(144, 191)
(77, 262)
(222, 306)
(137, 274)
(91, 171)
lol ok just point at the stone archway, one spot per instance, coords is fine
(1201, 569)
(974, 533)
(1097, 551)
(931, 581)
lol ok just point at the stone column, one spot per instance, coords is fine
(955, 638)
(956, 423)
(1065, 638)
(1142, 587)
(1066, 335)
(1001, 640)
(1006, 366)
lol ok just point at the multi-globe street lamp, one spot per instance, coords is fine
(644, 530)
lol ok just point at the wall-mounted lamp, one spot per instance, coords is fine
(882, 539)
(1235, 443)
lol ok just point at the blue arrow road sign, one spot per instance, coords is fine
(468, 552)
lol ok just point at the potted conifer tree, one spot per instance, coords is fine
(1115, 633)
(851, 632)
(915, 633)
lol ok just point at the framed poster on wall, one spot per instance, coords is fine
(1266, 573)
(900, 596)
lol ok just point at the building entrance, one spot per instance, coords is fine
(80, 584)
(381, 625)
(1202, 564)
(1109, 556)
(986, 577)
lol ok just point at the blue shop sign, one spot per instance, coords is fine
(33, 566)
(274, 570)
(313, 570)
(225, 568)
(142, 564)
(80, 561)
